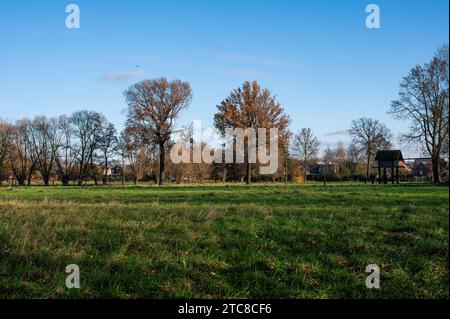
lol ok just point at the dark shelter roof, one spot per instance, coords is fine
(389, 156)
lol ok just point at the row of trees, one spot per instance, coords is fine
(369, 136)
(85, 145)
(423, 101)
(66, 145)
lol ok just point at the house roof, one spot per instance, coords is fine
(389, 156)
(423, 161)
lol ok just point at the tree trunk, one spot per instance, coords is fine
(249, 173)
(162, 158)
(46, 179)
(21, 180)
(305, 169)
(368, 168)
(94, 175)
(435, 164)
(105, 176)
(65, 180)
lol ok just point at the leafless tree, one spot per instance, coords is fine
(330, 157)
(20, 157)
(42, 134)
(66, 157)
(86, 129)
(424, 101)
(352, 159)
(5, 141)
(369, 136)
(133, 153)
(107, 146)
(153, 107)
(305, 147)
(5, 131)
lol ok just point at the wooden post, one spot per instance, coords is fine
(379, 173)
(392, 172)
(384, 175)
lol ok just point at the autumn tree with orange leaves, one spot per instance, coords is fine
(251, 106)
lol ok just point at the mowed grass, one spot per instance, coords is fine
(223, 241)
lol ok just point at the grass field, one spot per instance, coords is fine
(225, 241)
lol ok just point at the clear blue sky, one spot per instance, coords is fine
(317, 56)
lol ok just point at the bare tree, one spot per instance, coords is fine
(21, 160)
(352, 159)
(65, 157)
(251, 106)
(86, 129)
(369, 136)
(330, 157)
(107, 146)
(5, 141)
(305, 146)
(153, 107)
(42, 133)
(133, 153)
(5, 131)
(424, 101)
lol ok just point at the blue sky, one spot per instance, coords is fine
(324, 65)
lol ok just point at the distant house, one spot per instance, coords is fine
(321, 169)
(422, 168)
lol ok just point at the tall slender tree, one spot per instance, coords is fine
(63, 146)
(108, 146)
(369, 136)
(21, 159)
(5, 130)
(42, 133)
(133, 153)
(305, 146)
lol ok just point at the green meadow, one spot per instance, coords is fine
(225, 241)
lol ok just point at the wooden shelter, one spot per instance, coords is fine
(392, 159)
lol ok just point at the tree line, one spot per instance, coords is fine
(86, 146)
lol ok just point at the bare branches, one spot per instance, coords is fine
(305, 146)
(424, 101)
(107, 146)
(42, 134)
(153, 105)
(369, 136)
(86, 129)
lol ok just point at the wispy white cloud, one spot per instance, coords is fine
(122, 76)
(341, 132)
